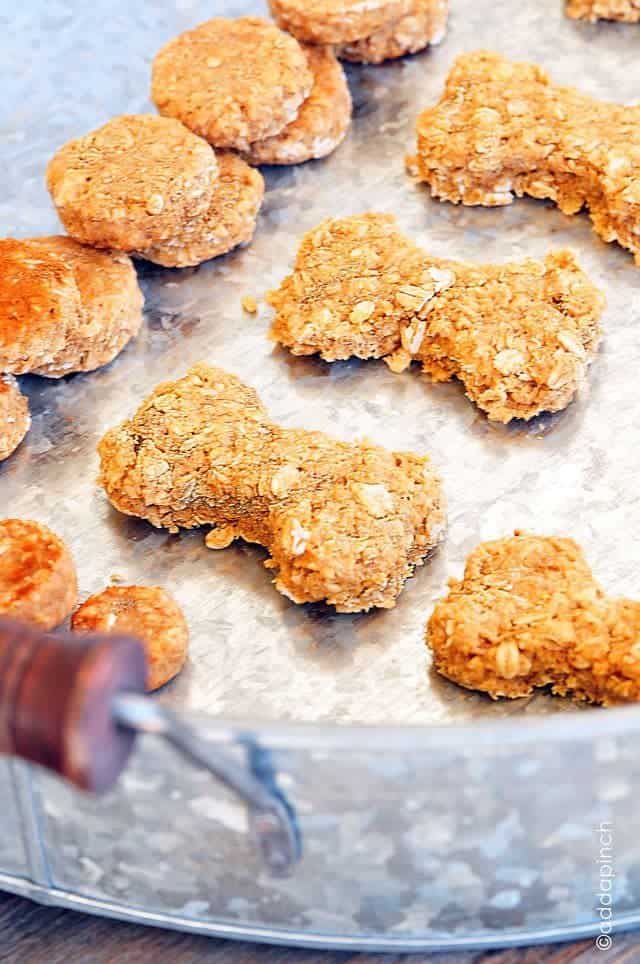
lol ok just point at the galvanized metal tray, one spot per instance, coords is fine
(395, 821)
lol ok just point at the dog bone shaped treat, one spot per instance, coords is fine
(528, 613)
(519, 336)
(344, 523)
(627, 11)
(502, 129)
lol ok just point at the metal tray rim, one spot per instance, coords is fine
(593, 723)
(284, 937)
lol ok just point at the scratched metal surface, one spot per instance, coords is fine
(66, 67)
(445, 840)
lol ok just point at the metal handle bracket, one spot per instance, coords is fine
(272, 820)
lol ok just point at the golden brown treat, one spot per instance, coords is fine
(529, 613)
(502, 129)
(39, 305)
(15, 420)
(37, 574)
(344, 523)
(336, 21)
(322, 122)
(65, 307)
(131, 183)
(232, 81)
(518, 335)
(423, 24)
(147, 612)
(236, 198)
(111, 313)
(627, 11)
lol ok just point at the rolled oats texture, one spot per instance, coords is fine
(424, 24)
(150, 614)
(38, 582)
(232, 81)
(627, 11)
(528, 613)
(336, 21)
(519, 336)
(132, 182)
(237, 193)
(503, 129)
(65, 307)
(344, 523)
(322, 122)
(15, 420)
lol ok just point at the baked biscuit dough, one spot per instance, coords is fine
(111, 307)
(64, 307)
(423, 24)
(232, 81)
(627, 11)
(39, 305)
(132, 182)
(15, 419)
(343, 523)
(502, 130)
(37, 574)
(321, 124)
(336, 21)
(519, 336)
(529, 613)
(147, 612)
(230, 220)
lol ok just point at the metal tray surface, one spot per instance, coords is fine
(254, 653)
(432, 836)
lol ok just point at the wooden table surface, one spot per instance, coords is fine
(30, 934)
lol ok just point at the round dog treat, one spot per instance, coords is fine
(111, 312)
(39, 304)
(232, 81)
(132, 182)
(37, 574)
(15, 419)
(147, 612)
(425, 23)
(322, 122)
(230, 220)
(64, 307)
(336, 21)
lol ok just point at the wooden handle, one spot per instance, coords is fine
(56, 693)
